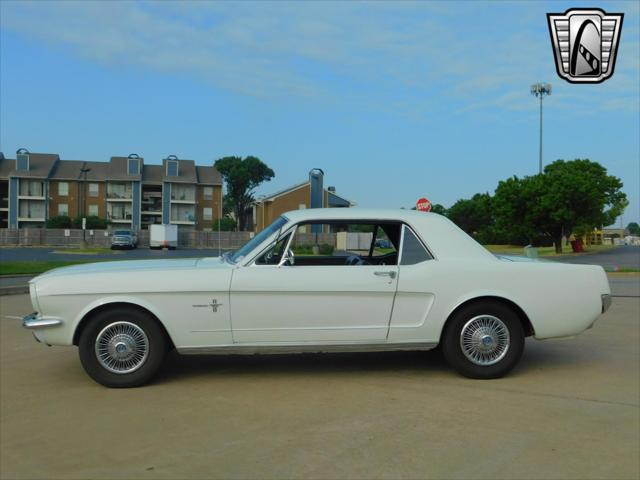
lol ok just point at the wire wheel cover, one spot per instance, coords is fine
(122, 347)
(484, 340)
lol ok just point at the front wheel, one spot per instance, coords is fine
(483, 340)
(122, 347)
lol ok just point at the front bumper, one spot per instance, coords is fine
(35, 322)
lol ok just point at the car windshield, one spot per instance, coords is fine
(257, 240)
(122, 232)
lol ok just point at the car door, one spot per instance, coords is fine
(319, 303)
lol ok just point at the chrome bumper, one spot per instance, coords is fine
(606, 302)
(34, 322)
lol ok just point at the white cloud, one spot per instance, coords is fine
(287, 49)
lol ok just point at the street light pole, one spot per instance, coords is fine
(540, 89)
(83, 172)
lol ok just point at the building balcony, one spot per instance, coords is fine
(183, 200)
(31, 196)
(116, 198)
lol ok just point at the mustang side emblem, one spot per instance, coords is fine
(214, 305)
(585, 43)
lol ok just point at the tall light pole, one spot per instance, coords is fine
(83, 208)
(540, 89)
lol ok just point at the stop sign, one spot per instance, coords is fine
(423, 204)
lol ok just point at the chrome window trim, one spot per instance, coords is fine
(252, 262)
(294, 227)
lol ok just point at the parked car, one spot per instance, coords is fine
(124, 239)
(383, 243)
(434, 286)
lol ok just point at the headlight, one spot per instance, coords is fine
(34, 297)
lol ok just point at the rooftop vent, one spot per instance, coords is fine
(22, 159)
(172, 166)
(133, 164)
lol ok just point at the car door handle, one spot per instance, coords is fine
(390, 274)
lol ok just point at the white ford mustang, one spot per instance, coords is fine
(319, 280)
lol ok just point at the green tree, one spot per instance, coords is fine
(569, 195)
(474, 216)
(634, 228)
(242, 176)
(439, 209)
(514, 219)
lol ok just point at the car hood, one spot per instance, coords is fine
(192, 274)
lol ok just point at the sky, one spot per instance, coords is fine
(394, 101)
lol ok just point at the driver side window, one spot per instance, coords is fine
(345, 243)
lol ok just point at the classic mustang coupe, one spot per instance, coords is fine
(319, 280)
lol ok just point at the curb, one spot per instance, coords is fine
(14, 290)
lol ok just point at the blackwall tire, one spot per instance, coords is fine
(122, 347)
(483, 340)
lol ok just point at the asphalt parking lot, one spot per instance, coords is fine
(570, 410)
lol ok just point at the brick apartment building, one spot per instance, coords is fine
(309, 194)
(125, 191)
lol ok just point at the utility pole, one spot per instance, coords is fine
(540, 89)
(82, 209)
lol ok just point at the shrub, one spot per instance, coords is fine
(93, 223)
(59, 221)
(323, 249)
(226, 225)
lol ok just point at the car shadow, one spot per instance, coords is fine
(538, 356)
(188, 366)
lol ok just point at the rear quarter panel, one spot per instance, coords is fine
(559, 299)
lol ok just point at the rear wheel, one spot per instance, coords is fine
(122, 347)
(483, 340)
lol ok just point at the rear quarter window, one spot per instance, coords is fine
(413, 251)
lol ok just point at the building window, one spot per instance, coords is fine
(208, 193)
(183, 213)
(31, 209)
(63, 209)
(31, 188)
(119, 190)
(93, 210)
(172, 168)
(93, 189)
(207, 213)
(185, 193)
(22, 162)
(134, 166)
(63, 189)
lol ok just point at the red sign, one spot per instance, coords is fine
(423, 204)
